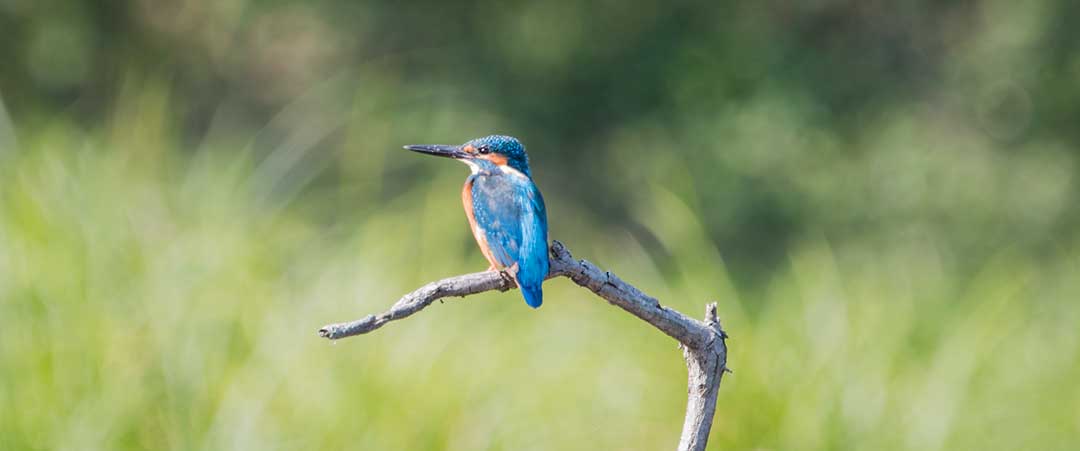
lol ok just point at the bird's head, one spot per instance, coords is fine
(480, 153)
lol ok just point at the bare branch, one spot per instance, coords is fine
(462, 286)
(705, 367)
(688, 331)
(702, 342)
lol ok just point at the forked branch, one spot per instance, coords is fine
(702, 342)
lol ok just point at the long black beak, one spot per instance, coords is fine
(438, 150)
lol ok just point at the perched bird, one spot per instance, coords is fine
(504, 208)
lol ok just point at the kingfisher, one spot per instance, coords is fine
(504, 207)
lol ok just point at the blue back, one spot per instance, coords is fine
(510, 211)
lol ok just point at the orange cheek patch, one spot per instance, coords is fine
(496, 158)
(469, 149)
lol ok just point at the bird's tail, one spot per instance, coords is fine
(534, 296)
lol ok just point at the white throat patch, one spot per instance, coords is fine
(473, 166)
(505, 168)
(510, 170)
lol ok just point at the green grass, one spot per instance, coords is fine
(153, 301)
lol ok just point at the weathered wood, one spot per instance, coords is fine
(703, 343)
(705, 367)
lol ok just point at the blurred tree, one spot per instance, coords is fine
(745, 111)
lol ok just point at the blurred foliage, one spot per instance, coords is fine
(882, 197)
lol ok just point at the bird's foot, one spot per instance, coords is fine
(508, 280)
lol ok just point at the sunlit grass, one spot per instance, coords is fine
(151, 301)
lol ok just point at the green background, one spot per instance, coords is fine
(881, 196)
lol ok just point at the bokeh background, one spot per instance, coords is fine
(882, 197)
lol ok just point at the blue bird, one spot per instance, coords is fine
(504, 207)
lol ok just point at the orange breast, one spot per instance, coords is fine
(478, 234)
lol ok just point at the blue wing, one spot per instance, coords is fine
(510, 211)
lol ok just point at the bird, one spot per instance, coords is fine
(504, 207)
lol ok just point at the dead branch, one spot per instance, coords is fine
(703, 343)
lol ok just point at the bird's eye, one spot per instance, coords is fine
(484, 149)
